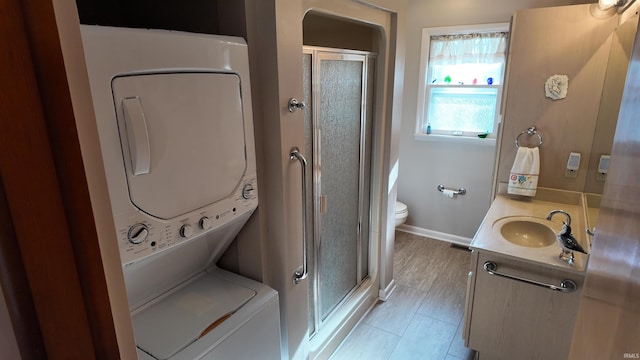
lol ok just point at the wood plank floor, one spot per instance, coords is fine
(423, 317)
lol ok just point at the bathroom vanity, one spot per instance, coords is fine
(522, 299)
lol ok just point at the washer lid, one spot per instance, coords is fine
(182, 137)
(178, 320)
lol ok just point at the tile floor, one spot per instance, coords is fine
(423, 317)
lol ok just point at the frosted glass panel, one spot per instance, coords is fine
(338, 149)
(340, 109)
(462, 108)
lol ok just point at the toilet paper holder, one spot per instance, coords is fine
(460, 191)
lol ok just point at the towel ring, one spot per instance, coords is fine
(529, 131)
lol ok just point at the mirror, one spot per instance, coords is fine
(613, 86)
(612, 89)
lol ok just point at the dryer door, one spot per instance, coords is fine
(182, 137)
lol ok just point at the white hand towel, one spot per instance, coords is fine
(523, 179)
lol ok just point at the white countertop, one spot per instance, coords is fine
(488, 237)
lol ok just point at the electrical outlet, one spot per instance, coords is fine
(573, 164)
(603, 168)
(571, 173)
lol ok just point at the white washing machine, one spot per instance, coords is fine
(173, 111)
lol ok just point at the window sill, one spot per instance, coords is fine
(455, 139)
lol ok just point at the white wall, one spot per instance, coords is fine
(424, 165)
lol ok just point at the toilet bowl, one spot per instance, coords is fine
(401, 213)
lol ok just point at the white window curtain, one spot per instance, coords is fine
(476, 48)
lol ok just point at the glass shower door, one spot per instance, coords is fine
(338, 136)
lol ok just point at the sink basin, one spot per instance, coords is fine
(528, 233)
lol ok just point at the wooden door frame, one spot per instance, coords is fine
(47, 195)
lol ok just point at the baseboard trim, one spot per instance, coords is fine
(455, 239)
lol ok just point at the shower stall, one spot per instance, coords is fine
(339, 87)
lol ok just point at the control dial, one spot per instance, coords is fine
(247, 189)
(186, 231)
(205, 223)
(138, 233)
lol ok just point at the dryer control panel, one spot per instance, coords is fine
(141, 235)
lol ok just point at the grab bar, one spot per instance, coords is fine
(300, 275)
(566, 286)
(460, 191)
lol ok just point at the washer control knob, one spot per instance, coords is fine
(138, 233)
(186, 231)
(247, 189)
(205, 223)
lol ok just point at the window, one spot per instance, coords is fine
(462, 73)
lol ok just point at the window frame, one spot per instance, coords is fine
(423, 102)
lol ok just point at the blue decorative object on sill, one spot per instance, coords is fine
(428, 128)
(483, 135)
(490, 81)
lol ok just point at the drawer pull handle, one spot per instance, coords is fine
(565, 286)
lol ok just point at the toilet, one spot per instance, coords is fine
(401, 213)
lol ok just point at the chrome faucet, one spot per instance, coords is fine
(568, 222)
(566, 240)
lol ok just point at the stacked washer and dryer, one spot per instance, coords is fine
(174, 118)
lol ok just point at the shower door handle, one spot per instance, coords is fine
(300, 275)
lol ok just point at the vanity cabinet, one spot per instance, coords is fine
(510, 319)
